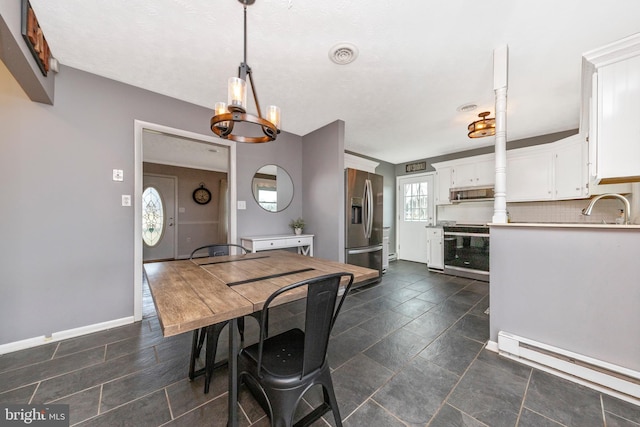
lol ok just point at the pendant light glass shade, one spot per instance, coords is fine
(273, 115)
(221, 108)
(237, 94)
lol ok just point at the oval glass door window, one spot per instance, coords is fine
(152, 217)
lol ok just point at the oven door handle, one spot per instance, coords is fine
(455, 233)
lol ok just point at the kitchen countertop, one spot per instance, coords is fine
(567, 225)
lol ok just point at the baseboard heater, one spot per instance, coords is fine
(621, 382)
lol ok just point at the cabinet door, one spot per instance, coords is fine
(435, 254)
(485, 173)
(530, 177)
(476, 174)
(618, 105)
(463, 175)
(570, 170)
(443, 184)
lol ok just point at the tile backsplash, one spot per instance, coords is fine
(567, 211)
(563, 211)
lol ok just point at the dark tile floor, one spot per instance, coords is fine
(406, 352)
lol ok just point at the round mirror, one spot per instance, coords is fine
(272, 188)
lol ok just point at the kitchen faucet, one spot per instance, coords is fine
(627, 206)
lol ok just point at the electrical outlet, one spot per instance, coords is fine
(126, 200)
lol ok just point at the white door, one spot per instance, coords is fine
(158, 217)
(416, 211)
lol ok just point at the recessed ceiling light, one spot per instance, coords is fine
(343, 53)
(465, 108)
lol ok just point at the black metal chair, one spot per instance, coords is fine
(278, 370)
(211, 333)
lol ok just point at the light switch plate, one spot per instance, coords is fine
(118, 175)
(126, 200)
(242, 204)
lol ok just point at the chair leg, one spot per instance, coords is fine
(241, 329)
(194, 356)
(203, 334)
(213, 333)
(330, 399)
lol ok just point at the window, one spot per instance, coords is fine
(152, 217)
(416, 206)
(268, 198)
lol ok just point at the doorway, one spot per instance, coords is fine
(416, 211)
(176, 155)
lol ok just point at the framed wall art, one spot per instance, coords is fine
(33, 36)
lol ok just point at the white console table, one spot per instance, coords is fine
(304, 242)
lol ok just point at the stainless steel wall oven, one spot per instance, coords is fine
(466, 251)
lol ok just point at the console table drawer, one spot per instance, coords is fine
(303, 242)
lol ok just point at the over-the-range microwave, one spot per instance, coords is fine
(470, 194)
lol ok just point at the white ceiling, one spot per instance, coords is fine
(418, 60)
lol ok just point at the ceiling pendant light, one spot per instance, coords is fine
(483, 127)
(226, 115)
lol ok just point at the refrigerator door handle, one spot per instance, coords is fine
(364, 250)
(368, 209)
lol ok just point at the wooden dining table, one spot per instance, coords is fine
(191, 294)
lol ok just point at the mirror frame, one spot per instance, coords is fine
(254, 188)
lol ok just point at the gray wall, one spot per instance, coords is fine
(67, 248)
(323, 183)
(579, 293)
(286, 152)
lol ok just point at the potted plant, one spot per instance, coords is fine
(297, 225)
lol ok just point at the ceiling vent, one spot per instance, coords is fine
(343, 53)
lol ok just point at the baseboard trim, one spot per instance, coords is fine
(492, 346)
(63, 335)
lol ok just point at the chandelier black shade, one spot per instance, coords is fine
(226, 115)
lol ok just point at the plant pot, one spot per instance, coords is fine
(298, 230)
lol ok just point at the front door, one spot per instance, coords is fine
(158, 217)
(415, 212)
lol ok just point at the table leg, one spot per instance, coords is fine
(233, 373)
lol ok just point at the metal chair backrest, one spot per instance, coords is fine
(321, 313)
(217, 249)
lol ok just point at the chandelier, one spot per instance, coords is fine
(226, 115)
(483, 127)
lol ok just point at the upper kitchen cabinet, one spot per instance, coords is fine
(476, 171)
(479, 172)
(611, 95)
(555, 171)
(442, 186)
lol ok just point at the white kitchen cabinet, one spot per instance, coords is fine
(435, 248)
(529, 174)
(555, 171)
(618, 137)
(479, 173)
(442, 186)
(570, 169)
(611, 80)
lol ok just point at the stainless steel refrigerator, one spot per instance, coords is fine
(363, 220)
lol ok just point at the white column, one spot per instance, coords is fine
(500, 73)
(634, 218)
